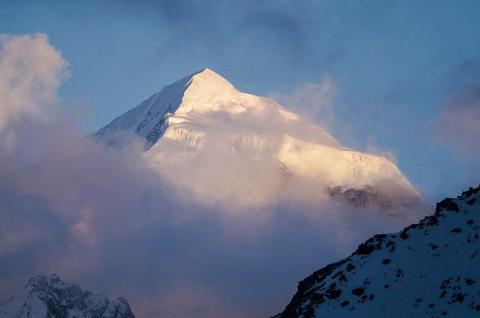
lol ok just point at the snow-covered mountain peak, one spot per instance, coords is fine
(50, 296)
(194, 99)
(203, 118)
(194, 95)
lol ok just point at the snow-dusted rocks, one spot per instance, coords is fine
(429, 269)
(204, 135)
(50, 297)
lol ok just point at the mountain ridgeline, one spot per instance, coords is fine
(429, 269)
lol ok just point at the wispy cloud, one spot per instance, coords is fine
(312, 100)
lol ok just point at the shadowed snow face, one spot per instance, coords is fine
(103, 218)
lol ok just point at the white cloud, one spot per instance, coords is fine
(31, 71)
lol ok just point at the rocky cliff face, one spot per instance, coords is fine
(429, 269)
(50, 297)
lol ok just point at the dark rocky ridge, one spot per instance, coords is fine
(429, 269)
(368, 196)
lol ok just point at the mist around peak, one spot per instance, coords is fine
(103, 217)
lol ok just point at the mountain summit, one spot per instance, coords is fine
(217, 142)
(187, 99)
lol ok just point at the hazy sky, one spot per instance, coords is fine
(394, 64)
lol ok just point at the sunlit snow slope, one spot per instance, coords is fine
(208, 137)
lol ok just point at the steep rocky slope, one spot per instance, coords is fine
(429, 269)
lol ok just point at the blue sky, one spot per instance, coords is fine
(394, 64)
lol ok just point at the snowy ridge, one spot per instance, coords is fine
(148, 119)
(429, 269)
(50, 297)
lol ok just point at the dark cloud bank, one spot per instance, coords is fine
(101, 218)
